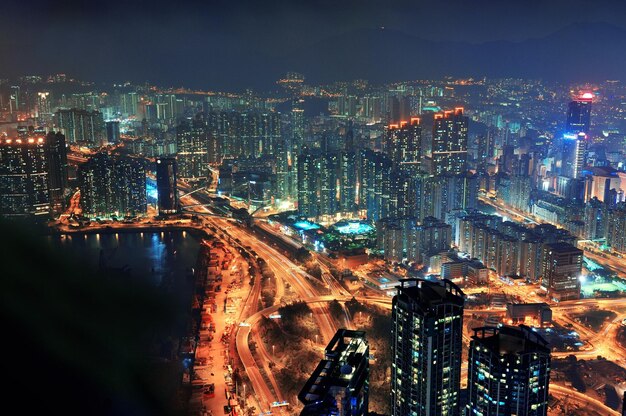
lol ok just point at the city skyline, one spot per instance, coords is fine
(325, 209)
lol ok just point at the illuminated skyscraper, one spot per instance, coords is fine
(81, 126)
(449, 145)
(308, 198)
(44, 110)
(24, 170)
(33, 175)
(129, 187)
(573, 154)
(561, 268)
(427, 341)
(192, 140)
(579, 114)
(375, 169)
(339, 386)
(112, 187)
(576, 137)
(509, 372)
(403, 144)
(166, 185)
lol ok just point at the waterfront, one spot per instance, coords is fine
(161, 260)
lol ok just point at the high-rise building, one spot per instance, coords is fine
(44, 108)
(112, 187)
(129, 187)
(166, 185)
(403, 144)
(561, 270)
(81, 126)
(579, 114)
(573, 154)
(308, 168)
(449, 143)
(33, 175)
(56, 151)
(375, 172)
(509, 372)
(113, 132)
(339, 386)
(24, 182)
(576, 136)
(427, 339)
(616, 228)
(192, 144)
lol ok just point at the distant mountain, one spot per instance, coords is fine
(584, 52)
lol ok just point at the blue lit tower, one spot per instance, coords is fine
(509, 372)
(426, 343)
(576, 136)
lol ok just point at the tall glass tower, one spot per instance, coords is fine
(427, 335)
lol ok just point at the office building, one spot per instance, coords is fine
(166, 185)
(509, 372)
(427, 339)
(561, 270)
(579, 114)
(573, 154)
(339, 385)
(449, 142)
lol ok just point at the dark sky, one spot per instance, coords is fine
(175, 42)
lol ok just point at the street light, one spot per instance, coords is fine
(244, 395)
(316, 338)
(273, 350)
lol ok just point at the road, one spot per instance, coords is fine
(586, 401)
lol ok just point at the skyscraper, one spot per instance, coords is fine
(129, 187)
(166, 185)
(427, 338)
(192, 142)
(576, 136)
(24, 185)
(44, 110)
(561, 269)
(113, 132)
(509, 372)
(81, 126)
(112, 187)
(339, 386)
(33, 175)
(449, 145)
(403, 144)
(579, 114)
(56, 153)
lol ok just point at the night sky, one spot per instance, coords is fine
(218, 44)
